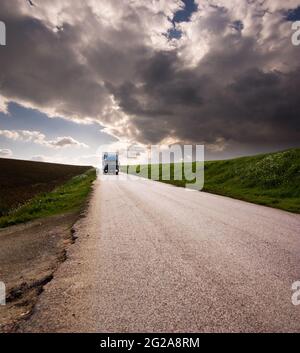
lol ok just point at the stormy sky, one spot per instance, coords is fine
(77, 74)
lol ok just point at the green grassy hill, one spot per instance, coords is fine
(271, 179)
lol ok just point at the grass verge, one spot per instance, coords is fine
(65, 198)
(271, 179)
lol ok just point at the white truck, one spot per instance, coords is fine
(110, 163)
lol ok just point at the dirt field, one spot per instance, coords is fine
(29, 255)
(22, 180)
(31, 252)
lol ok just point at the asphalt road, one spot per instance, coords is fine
(152, 257)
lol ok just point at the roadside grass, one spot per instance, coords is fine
(68, 197)
(271, 179)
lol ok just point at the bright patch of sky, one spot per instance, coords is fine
(182, 15)
(293, 15)
(20, 118)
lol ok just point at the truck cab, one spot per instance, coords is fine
(110, 163)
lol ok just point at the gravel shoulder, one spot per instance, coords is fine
(29, 255)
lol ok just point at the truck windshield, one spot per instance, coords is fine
(110, 157)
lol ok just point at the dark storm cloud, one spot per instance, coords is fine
(41, 66)
(233, 77)
(191, 105)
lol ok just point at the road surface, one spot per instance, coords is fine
(151, 257)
